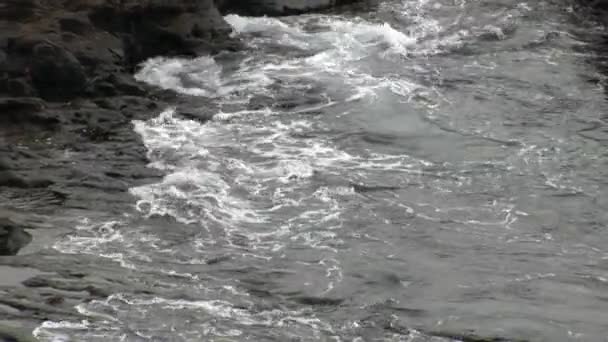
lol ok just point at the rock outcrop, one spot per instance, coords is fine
(276, 7)
(67, 94)
(61, 50)
(12, 237)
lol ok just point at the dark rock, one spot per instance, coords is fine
(26, 110)
(104, 89)
(276, 7)
(64, 50)
(55, 300)
(3, 61)
(319, 301)
(8, 334)
(472, 337)
(8, 179)
(125, 84)
(19, 87)
(12, 237)
(10, 106)
(17, 9)
(153, 27)
(68, 37)
(260, 102)
(78, 25)
(601, 5)
(362, 188)
(56, 73)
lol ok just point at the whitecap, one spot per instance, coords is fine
(199, 76)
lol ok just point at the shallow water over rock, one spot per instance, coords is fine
(427, 171)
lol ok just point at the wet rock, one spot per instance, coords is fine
(56, 73)
(3, 61)
(117, 84)
(19, 105)
(62, 52)
(276, 7)
(9, 179)
(362, 188)
(19, 87)
(12, 237)
(601, 5)
(321, 301)
(76, 24)
(26, 110)
(8, 334)
(151, 28)
(17, 9)
(471, 337)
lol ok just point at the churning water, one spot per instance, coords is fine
(427, 168)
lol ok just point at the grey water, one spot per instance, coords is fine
(419, 170)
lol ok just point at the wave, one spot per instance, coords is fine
(198, 77)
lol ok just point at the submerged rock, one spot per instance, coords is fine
(8, 334)
(12, 237)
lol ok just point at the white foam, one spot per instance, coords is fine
(198, 77)
(242, 24)
(353, 38)
(362, 35)
(223, 319)
(192, 192)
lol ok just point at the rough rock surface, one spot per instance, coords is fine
(277, 7)
(66, 85)
(12, 237)
(67, 99)
(60, 50)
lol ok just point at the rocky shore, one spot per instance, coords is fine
(67, 100)
(67, 97)
(67, 145)
(66, 80)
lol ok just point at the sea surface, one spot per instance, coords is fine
(416, 170)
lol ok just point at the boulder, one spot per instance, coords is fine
(159, 27)
(25, 110)
(12, 237)
(56, 73)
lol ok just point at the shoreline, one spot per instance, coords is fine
(67, 144)
(68, 97)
